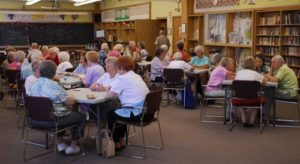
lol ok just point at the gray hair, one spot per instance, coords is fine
(45, 48)
(34, 45)
(164, 47)
(199, 49)
(20, 56)
(35, 65)
(53, 50)
(177, 56)
(225, 61)
(119, 47)
(64, 56)
(216, 58)
(278, 58)
(104, 46)
(113, 60)
(47, 69)
(249, 63)
(36, 55)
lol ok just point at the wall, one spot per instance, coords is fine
(160, 9)
(64, 6)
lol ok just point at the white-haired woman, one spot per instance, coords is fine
(179, 63)
(65, 64)
(199, 61)
(103, 53)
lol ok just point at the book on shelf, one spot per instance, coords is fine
(269, 20)
(292, 31)
(268, 31)
(291, 40)
(291, 51)
(268, 40)
(269, 51)
(292, 18)
(196, 34)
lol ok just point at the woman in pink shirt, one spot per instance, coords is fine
(223, 71)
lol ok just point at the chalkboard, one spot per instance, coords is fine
(46, 33)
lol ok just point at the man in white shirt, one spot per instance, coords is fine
(179, 64)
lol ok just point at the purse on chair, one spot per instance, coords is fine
(108, 145)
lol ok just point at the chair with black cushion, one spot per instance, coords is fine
(280, 122)
(206, 98)
(174, 80)
(151, 109)
(41, 109)
(247, 94)
(20, 99)
(11, 77)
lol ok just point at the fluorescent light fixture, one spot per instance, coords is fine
(84, 2)
(30, 2)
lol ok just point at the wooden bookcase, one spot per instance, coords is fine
(138, 30)
(278, 32)
(194, 31)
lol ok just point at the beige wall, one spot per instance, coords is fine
(64, 6)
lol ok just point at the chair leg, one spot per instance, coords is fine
(274, 113)
(160, 133)
(25, 147)
(81, 141)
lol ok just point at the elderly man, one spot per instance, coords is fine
(199, 61)
(133, 51)
(161, 40)
(53, 55)
(26, 71)
(286, 78)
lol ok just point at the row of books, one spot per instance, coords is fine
(268, 40)
(293, 40)
(291, 18)
(297, 71)
(269, 20)
(268, 31)
(292, 31)
(294, 51)
(270, 51)
(292, 61)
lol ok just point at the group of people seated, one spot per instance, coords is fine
(112, 71)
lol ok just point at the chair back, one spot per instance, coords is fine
(39, 108)
(174, 76)
(20, 84)
(12, 75)
(70, 69)
(245, 89)
(152, 102)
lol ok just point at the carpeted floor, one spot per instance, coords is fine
(186, 139)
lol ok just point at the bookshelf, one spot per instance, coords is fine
(278, 33)
(137, 30)
(195, 31)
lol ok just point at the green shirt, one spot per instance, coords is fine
(287, 78)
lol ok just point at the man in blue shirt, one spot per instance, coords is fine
(199, 61)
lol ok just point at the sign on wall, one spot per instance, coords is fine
(124, 14)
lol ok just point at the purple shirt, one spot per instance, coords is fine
(93, 73)
(217, 76)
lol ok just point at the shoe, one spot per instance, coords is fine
(72, 150)
(61, 147)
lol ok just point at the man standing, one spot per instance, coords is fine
(161, 40)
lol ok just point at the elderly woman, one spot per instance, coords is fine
(46, 87)
(64, 58)
(82, 67)
(53, 55)
(222, 72)
(19, 59)
(11, 59)
(199, 61)
(158, 64)
(103, 53)
(248, 73)
(261, 66)
(34, 77)
(131, 90)
(45, 51)
(94, 71)
(143, 51)
(26, 71)
(119, 48)
(179, 63)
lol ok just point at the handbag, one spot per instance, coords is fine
(108, 145)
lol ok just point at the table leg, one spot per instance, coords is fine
(99, 135)
(226, 104)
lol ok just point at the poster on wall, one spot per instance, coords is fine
(210, 5)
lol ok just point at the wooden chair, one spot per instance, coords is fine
(151, 108)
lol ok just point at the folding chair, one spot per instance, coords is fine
(46, 113)
(11, 77)
(246, 94)
(151, 108)
(174, 80)
(20, 99)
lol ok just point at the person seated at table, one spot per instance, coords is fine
(287, 83)
(103, 53)
(34, 77)
(142, 47)
(103, 84)
(46, 87)
(119, 47)
(214, 60)
(11, 59)
(158, 65)
(82, 67)
(179, 63)
(261, 66)
(64, 64)
(45, 51)
(180, 48)
(53, 55)
(94, 70)
(222, 72)
(200, 61)
(168, 56)
(18, 60)
(133, 52)
(35, 55)
(248, 73)
(114, 53)
(131, 90)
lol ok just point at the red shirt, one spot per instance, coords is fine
(55, 60)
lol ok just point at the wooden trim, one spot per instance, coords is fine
(126, 6)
